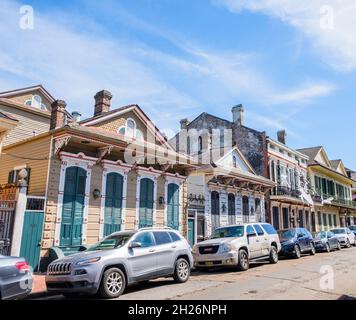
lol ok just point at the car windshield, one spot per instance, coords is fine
(287, 234)
(111, 242)
(320, 235)
(228, 232)
(338, 231)
(353, 228)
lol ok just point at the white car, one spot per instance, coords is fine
(237, 245)
(345, 236)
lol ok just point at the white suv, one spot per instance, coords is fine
(237, 245)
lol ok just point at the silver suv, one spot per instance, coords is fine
(122, 259)
(237, 245)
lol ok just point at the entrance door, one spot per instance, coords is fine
(173, 206)
(113, 203)
(73, 207)
(191, 231)
(146, 203)
(31, 238)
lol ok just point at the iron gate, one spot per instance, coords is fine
(7, 213)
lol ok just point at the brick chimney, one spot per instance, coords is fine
(184, 123)
(238, 114)
(58, 114)
(102, 102)
(281, 136)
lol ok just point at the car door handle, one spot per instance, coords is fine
(174, 246)
(151, 250)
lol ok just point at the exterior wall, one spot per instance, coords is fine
(32, 154)
(327, 210)
(29, 124)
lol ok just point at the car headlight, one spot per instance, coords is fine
(195, 249)
(225, 248)
(88, 261)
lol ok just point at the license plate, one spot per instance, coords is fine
(209, 264)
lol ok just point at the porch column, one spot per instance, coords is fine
(18, 221)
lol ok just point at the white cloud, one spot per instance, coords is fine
(328, 24)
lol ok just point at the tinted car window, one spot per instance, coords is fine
(175, 237)
(258, 229)
(146, 239)
(268, 228)
(287, 234)
(228, 232)
(162, 237)
(250, 230)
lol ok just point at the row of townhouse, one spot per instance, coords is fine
(67, 182)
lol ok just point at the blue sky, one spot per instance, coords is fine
(178, 58)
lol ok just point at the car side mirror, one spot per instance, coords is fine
(135, 245)
(300, 235)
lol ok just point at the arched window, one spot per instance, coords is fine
(130, 128)
(200, 144)
(36, 102)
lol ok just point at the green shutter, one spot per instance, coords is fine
(173, 206)
(113, 203)
(146, 203)
(73, 206)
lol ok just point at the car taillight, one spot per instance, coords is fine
(22, 266)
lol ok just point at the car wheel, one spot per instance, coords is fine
(327, 247)
(312, 250)
(273, 255)
(297, 252)
(338, 246)
(243, 263)
(112, 284)
(348, 244)
(181, 271)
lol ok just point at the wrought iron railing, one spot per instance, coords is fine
(285, 191)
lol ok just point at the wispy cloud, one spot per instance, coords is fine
(329, 25)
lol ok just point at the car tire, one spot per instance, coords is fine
(348, 244)
(338, 246)
(327, 247)
(312, 250)
(181, 271)
(113, 284)
(273, 255)
(297, 252)
(244, 263)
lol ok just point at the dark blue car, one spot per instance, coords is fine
(296, 241)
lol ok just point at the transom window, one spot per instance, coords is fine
(130, 130)
(36, 102)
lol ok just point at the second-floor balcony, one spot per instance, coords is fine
(335, 200)
(286, 192)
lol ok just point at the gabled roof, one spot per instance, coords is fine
(338, 165)
(39, 87)
(335, 164)
(122, 110)
(311, 152)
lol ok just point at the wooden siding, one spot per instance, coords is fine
(27, 125)
(32, 154)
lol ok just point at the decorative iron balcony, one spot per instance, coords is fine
(285, 191)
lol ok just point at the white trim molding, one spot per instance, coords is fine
(73, 160)
(123, 170)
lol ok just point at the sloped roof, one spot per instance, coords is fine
(335, 164)
(39, 87)
(311, 152)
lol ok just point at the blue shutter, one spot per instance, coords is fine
(173, 206)
(146, 203)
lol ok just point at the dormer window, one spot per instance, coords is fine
(36, 102)
(130, 130)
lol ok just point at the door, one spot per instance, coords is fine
(215, 210)
(173, 206)
(285, 217)
(245, 209)
(31, 238)
(263, 239)
(165, 252)
(113, 203)
(73, 207)
(142, 261)
(275, 211)
(231, 209)
(191, 231)
(146, 203)
(254, 243)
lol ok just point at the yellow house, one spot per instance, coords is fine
(331, 190)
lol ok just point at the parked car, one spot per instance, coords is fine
(296, 241)
(15, 278)
(345, 236)
(122, 259)
(353, 229)
(326, 241)
(237, 246)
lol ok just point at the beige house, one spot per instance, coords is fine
(331, 190)
(87, 179)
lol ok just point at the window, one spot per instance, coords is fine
(285, 215)
(36, 102)
(231, 204)
(275, 217)
(122, 130)
(145, 239)
(234, 162)
(188, 145)
(258, 229)
(335, 222)
(268, 228)
(200, 144)
(325, 220)
(35, 204)
(330, 220)
(301, 220)
(250, 230)
(162, 238)
(130, 130)
(215, 203)
(320, 220)
(175, 237)
(13, 176)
